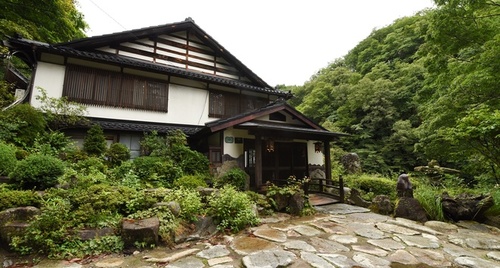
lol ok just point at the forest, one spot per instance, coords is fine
(425, 88)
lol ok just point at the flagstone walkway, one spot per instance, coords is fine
(339, 235)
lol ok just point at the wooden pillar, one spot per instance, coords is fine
(328, 162)
(258, 161)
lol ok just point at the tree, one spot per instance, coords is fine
(51, 21)
(461, 56)
(60, 112)
(95, 142)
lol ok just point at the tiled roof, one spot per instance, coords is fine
(124, 125)
(145, 65)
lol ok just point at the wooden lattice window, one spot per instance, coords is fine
(224, 104)
(94, 86)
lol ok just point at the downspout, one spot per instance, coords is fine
(29, 88)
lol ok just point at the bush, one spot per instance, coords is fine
(48, 231)
(156, 170)
(117, 153)
(190, 181)
(37, 171)
(189, 201)
(95, 142)
(191, 162)
(7, 158)
(232, 209)
(15, 198)
(23, 123)
(430, 198)
(371, 185)
(90, 165)
(53, 143)
(235, 177)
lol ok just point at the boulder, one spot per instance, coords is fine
(410, 208)
(351, 163)
(466, 207)
(14, 221)
(173, 206)
(356, 199)
(296, 203)
(382, 204)
(89, 234)
(143, 231)
(204, 227)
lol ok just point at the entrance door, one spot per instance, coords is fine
(287, 159)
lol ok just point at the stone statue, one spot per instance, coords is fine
(404, 187)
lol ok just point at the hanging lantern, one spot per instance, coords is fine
(318, 147)
(270, 145)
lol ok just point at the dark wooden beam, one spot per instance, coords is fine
(258, 161)
(328, 161)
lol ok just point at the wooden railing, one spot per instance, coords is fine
(326, 187)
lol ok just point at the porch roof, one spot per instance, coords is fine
(310, 130)
(286, 131)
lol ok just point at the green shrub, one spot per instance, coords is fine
(51, 233)
(95, 142)
(24, 122)
(189, 201)
(430, 198)
(53, 143)
(235, 177)
(117, 153)
(90, 165)
(103, 197)
(48, 231)
(190, 181)
(7, 158)
(263, 204)
(15, 198)
(37, 171)
(156, 170)
(495, 209)
(232, 209)
(190, 161)
(372, 185)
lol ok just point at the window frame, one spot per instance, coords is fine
(94, 86)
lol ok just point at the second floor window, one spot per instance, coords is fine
(224, 104)
(93, 86)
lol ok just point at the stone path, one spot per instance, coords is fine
(338, 236)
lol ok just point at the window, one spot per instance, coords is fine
(94, 86)
(224, 104)
(277, 117)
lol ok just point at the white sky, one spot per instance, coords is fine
(282, 41)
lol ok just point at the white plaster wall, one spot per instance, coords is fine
(234, 149)
(49, 77)
(313, 157)
(186, 105)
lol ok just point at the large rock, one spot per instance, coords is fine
(14, 221)
(89, 234)
(204, 227)
(466, 207)
(351, 163)
(410, 208)
(144, 231)
(296, 203)
(382, 204)
(356, 199)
